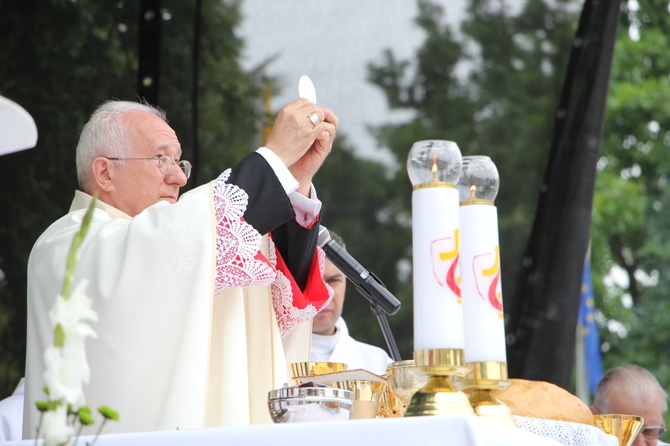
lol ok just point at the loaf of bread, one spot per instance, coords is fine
(539, 399)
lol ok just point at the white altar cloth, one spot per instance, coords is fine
(461, 430)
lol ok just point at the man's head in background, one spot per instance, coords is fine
(633, 390)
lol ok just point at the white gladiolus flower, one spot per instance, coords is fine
(67, 368)
(56, 429)
(72, 313)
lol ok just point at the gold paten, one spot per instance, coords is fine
(624, 427)
(313, 368)
(439, 396)
(486, 377)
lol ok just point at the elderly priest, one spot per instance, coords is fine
(198, 308)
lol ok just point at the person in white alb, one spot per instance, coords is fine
(201, 299)
(331, 341)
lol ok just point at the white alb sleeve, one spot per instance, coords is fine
(306, 209)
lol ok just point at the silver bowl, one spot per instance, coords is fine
(318, 403)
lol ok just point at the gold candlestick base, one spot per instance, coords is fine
(479, 386)
(624, 427)
(439, 396)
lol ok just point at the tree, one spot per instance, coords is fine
(60, 60)
(630, 241)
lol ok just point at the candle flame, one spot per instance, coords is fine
(434, 168)
(473, 192)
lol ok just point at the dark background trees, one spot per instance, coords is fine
(60, 60)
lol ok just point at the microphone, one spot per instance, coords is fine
(366, 283)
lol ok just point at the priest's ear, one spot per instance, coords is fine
(103, 171)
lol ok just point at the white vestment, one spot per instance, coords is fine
(341, 347)
(11, 414)
(180, 343)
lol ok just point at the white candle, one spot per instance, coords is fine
(434, 167)
(480, 262)
(481, 289)
(438, 309)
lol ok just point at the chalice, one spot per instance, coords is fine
(624, 427)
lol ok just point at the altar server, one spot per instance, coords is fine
(330, 336)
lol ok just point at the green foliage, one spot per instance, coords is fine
(631, 210)
(227, 116)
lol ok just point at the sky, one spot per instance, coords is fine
(332, 42)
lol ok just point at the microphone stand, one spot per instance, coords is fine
(386, 330)
(383, 322)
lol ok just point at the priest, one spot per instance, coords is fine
(201, 299)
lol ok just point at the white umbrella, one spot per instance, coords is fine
(17, 128)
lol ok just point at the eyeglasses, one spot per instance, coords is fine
(165, 164)
(653, 431)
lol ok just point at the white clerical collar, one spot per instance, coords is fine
(323, 346)
(82, 200)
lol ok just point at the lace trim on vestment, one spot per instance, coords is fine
(239, 262)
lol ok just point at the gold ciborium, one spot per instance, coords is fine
(624, 427)
(439, 396)
(404, 380)
(486, 377)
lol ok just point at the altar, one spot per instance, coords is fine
(462, 430)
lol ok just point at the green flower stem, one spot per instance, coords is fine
(73, 256)
(76, 439)
(97, 434)
(71, 265)
(39, 426)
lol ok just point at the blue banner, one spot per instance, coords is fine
(590, 337)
